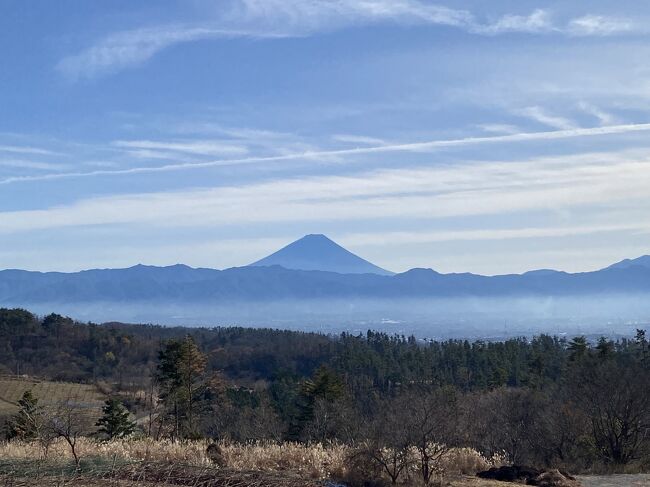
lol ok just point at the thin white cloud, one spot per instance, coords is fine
(603, 117)
(296, 18)
(499, 128)
(616, 180)
(599, 25)
(359, 139)
(244, 133)
(256, 140)
(335, 155)
(129, 48)
(539, 21)
(151, 154)
(369, 239)
(27, 164)
(255, 19)
(18, 149)
(299, 17)
(197, 147)
(540, 115)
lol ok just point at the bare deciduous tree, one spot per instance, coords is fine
(386, 442)
(431, 421)
(333, 421)
(616, 400)
(501, 421)
(66, 421)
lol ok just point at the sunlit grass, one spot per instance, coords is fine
(315, 461)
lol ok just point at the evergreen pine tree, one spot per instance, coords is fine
(642, 347)
(115, 422)
(192, 368)
(325, 385)
(578, 348)
(605, 348)
(26, 424)
(182, 380)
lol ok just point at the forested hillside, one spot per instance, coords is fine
(545, 401)
(60, 348)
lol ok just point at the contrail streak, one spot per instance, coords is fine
(409, 147)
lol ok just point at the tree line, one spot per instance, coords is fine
(545, 401)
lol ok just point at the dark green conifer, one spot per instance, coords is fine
(115, 422)
(26, 423)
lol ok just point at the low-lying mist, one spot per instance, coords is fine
(466, 317)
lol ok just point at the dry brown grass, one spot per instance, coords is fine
(158, 474)
(467, 461)
(314, 461)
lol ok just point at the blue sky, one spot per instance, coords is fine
(489, 137)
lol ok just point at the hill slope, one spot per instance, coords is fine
(643, 261)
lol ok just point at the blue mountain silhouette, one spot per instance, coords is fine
(316, 252)
(643, 261)
(312, 269)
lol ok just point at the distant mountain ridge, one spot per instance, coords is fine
(643, 261)
(316, 252)
(185, 284)
(141, 291)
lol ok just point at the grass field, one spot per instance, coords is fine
(84, 396)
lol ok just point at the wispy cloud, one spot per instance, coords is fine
(603, 117)
(540, 21)
(599, 25)
(264, 19)
(28, 164)
(18, 149)
(499, 128)
(427, 146)
(244, 133)
(129, 48)
(299, 17)
(483, 234)
(359, 139)
(254, 19)
(254, 140)
(197, 147)
(422, 193)
(540, 115)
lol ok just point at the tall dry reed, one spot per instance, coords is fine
(317, 461)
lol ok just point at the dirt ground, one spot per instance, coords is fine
(642, 480)
(80, 482)
(58, 482)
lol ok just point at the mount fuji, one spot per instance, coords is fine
(316, 252)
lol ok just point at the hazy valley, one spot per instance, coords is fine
(297, 288)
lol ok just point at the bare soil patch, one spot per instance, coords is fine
(639, 480)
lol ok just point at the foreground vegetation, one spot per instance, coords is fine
(163, 463)
(315, 461)
(374, 407)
